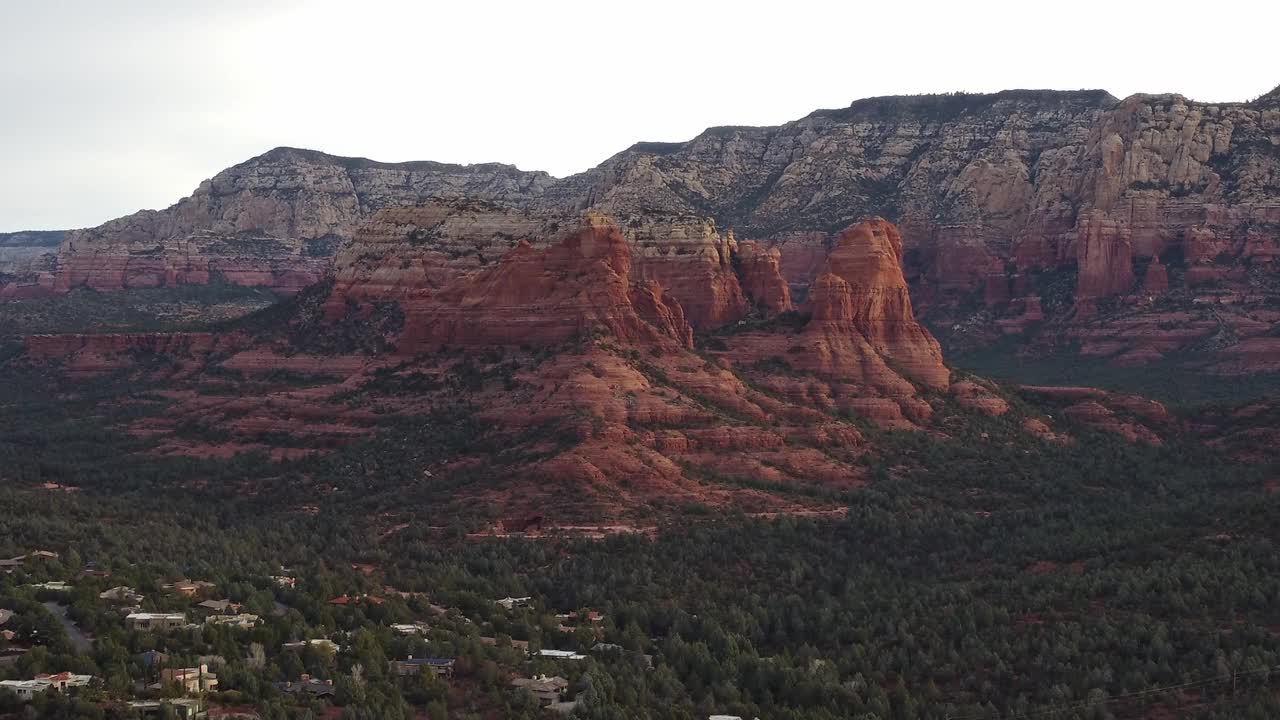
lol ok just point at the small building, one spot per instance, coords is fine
(183, 708)
(190, 588)
(307, 686)
(517, 644)
(243, 621)
(351, 600)
(190, 680)
(93, 569)
(320, 643)
(561, 655)
(593, 616)
(285, 581)
(547, 690)
(514, 602)
(5, 616)
(606, 648)
(64, 680)
(411, 628)
(153, 658)
(154, 621)
(442, 667)
(24, 689)
(55, 585)
(219, 606)
(121, 594)
(28, 689)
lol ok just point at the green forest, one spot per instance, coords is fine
(982, 574)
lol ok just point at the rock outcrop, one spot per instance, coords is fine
(578, 282)
(1104, 257)
(760, 270)
(861, 293)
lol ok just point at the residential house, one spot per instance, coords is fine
(93, 569)
(321, 643)
(42, 555)
(153, 658)
(243, 621)
(155, 621)
(64, 680)
(606, 648)
(183, 708)
(219, 606)
(24, 689)
(28, 689)
(440, 666)
(188, 587)
(349, 600)
(8, 635)
(121, 594)
(8, 566)
(285, 581)
(411, 629)
(517, 644)
(55, 585)
(307, 686)
(190, 680)
(594, 617)
(547, 690)
(561, 655)
(514, 602)
(5, 616)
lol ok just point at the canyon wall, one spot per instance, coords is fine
(274, 221)
(995, 195)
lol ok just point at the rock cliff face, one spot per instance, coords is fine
(547, 279)
(274, 221)
(27, 263)
(575, 285)
(863, 292)
(996, 195)
(760, 270)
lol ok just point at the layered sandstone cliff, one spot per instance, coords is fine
(578, 284)
(274, 221)
(27, 263)
(992, 193)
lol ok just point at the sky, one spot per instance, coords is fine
(111, 107)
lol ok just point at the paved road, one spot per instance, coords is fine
(79, 640)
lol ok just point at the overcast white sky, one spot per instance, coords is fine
(110, 107)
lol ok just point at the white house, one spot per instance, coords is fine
(411, 629)
(154, 621)
(243, 621)
(56, 585)
(561, 655)
(321, 643)
(24, 689)
(28, 689)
